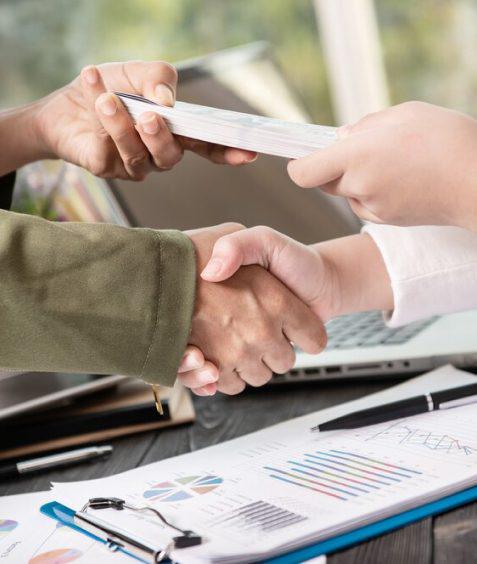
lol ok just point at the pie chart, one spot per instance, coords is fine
(58, 556)
(6, 526)
(183, 488)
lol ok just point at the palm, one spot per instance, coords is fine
(74, 132)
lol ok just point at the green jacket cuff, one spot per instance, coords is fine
(174, 307)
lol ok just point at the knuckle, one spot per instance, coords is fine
(318, 338)
(285, 362)
(412, 106)
(169, 163)
(262, 335)
(265, 233)
(137, 160)
(103, 166)
(163, 67)
(137, 176)
(232, 388)
(170, 68)
(259, 379)
(232, 226)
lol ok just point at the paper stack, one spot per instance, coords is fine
(282, 488)
(235, 129)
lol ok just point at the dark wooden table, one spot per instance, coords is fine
(450, 538)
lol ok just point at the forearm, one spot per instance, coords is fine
(94, 298)
(359, 275)
(20, 138)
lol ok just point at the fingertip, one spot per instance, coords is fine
(107, 104)
(211, 389)
(164, 95)
(237, 157)
(291, 169)
(90, 75)
(213, 270)
(192, 360)
(149, 123)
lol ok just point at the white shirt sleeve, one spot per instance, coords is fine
(433, 270)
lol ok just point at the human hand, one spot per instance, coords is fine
(244, 326)
(303, 269)
(411, 164)
(336, 277)
(86, 123)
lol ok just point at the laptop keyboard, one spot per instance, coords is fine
(368, 329)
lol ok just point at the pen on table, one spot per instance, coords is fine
(446, 399)
(15, 469)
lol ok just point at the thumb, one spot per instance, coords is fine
(249, 246)
(322, 166)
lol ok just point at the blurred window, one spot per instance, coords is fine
(430, 48)
(45, 43)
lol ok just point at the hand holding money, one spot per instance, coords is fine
(234, 129)
(85, 123)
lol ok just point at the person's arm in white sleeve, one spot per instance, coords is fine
(432, 269)
(408, 272)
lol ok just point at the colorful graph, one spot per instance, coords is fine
(58, 556)
(7, 526)
(401, 433)
(182, 488)
(258, 515)
(340, 474)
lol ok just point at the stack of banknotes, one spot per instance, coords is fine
(235, 129)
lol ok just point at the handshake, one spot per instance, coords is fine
(258, 294)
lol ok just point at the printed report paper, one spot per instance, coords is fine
(284, 487)
(29, 537)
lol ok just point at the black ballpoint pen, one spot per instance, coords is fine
(15, 469)
(446, 399)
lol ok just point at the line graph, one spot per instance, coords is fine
(404, 433)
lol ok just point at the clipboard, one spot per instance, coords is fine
(65, 515)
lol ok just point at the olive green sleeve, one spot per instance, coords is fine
(78, 297)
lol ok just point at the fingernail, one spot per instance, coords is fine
(213, 268)
(149, 124)
(207, 377)
(91, 75)
(108, 106)
(164, 95)
(189, 362)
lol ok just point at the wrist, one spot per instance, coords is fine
(331, 300)
(21, 137)
(359, 280)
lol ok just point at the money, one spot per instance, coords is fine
(235, 129)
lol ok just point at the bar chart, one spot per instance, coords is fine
(340, 474)
(258, 515)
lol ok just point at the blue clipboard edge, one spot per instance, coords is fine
(372, 530)
(65, 515)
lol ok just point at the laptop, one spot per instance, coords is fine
(196, 194)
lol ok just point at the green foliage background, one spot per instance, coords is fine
(429, 46)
